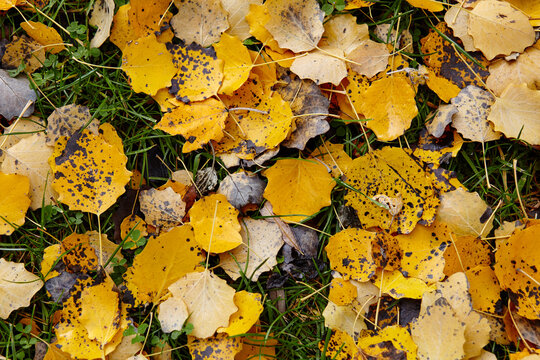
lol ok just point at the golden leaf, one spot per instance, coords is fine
(50, 256)
(19, 130)
(68, 119)
(24, 50)
(342, 292)
(199, 122)
(162, 208)
(342, 32)
(15, 201)
(79, 255)
(147, 17)
(90, 174)
(8, 4)
(465, 253)
(122, 30)
(46, 36)
(457, 19)
(493, 19)
(298, 188)
(199, 21)
(484, 289)
(164, 260)
(530, 8)
(516, 113)
(209, 301)
(249, 309)
(430, 5)
(219, 347)
(148, 65)
(17, 287)
(391, 171)
(215, 223)
(349, 252)
(297, 26)
(344, 318)
(390, 105)
(340, 346)
(236, 63)
(334, 157)
(398, 336)
(397, 286)
(238, 9)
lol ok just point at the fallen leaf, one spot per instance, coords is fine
(261, 242)
(530, 8)
(198, 74)
(128, 226)
(148, 65)
(46, 36)
(491, 19)
(397, 286)
(343, 32)
(123, 30)
(394, 342)
(146, 17)
(80, 257)
(296, 26)
(162, 208)
(15, 93)
(342, 292)
(389, 104)
(236, 63)
(90, 174)
(209, 301)
(391, 171)
(201, 22)
(164, 260)
(324, 65)
(104, 249)
(443, 87)
(237, 10)
(465, 253)
(369, 58)
(8, 4)
(15, 201)
(218, 347)
(18, 130)
(67, 120)
(344, 318)
(242, 188)
(17, 286)
(29, 157)
(298, 188)
(516, 268)
(340, 346)
(249, 309)
(23, 50)
(172, 314)
(257, 346)
(457, 18)
(102, 18)
(484, 289)
(430, 5)
(349, 252)
(465, 213)
(198, 122)
(516, 113)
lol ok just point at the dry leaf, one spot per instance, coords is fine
(17, 286)
(344, 318)
(262, 241)
(298, 188)
(457, 18)
(430, 5)
(15, 201)
(199, 21)
(297, 26)
(242, 188)
(102, 18)
(465, 213)
(162, 208)
(323, 66)
(343, 32)
(391, 342)
(465, 253)
(369, 58)
(491, 19)
(209, 301)
(237, 10)
(516, 113)
(46, 36)
(172, 314)
(219, 347)
(68, 119)
(164, 260)
(15, 93)
(23, 50)
(530, 8)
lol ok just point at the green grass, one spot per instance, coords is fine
(106, 92)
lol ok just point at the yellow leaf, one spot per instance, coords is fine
(46, 36)
(199, 21)
(391, 172)
(333, 156)
(148, 65)
(108, 133)
(398, 336)
(236, 63)
(14, 190)
(343, 32)
(493, 19)
(24, 50)
(390, 105)
(100, 312)
(164, 260)
(322, 66)
(484, 289)
(465, 213)
(443, 87)
(344, 318)
(298, 188)
(102, 18)
(423, 252)
(249, 309)
(457, 18)
(19, 130)
(397, 286)
(90, 174)
(531, 8)
(349, 252)
(209, 301)
(8, 4)
(465, 253)
(79, 255)
(50, 256)
(162, 208)
(106, 247)
(516, 267)
(257, 18)
(17, 287)
(197, 122)
(516, 113)
(357, 4)
(199, 72)
(238, 9)
(369, 58)
(67, 120)
(342, 292)
(340, 346)
(29, 157)
(54, 353)
(147, 17)
(122, 31)
(130, 224)
(297, 26)
(173, 313)
(219, 347)
(261, 242)
(215, 222)
(430, 5)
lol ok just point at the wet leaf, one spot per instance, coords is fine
(17, 287)
(15, 201)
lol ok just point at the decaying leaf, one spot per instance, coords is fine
(491, 19)
(172, 314)
(162, 208)
(516, 268)
(391, 342)
(261, 242)
(322, 66)
(89, 174)
(369, 58)
(198, 21)
(457, 18)
(102, 18)
(66, 120)
(390, 171)
(15, 201)
(219, 347)
(516, 113)
(298, 188)
(164, 260)
(465, 253)
(215, 222)
(242, 188)
(23, 50)
(484, 289)
(17, 286)
(237, 10)
(209, 301)
(15, 93)
(465, 213)
(297, 26)
(398, 286)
